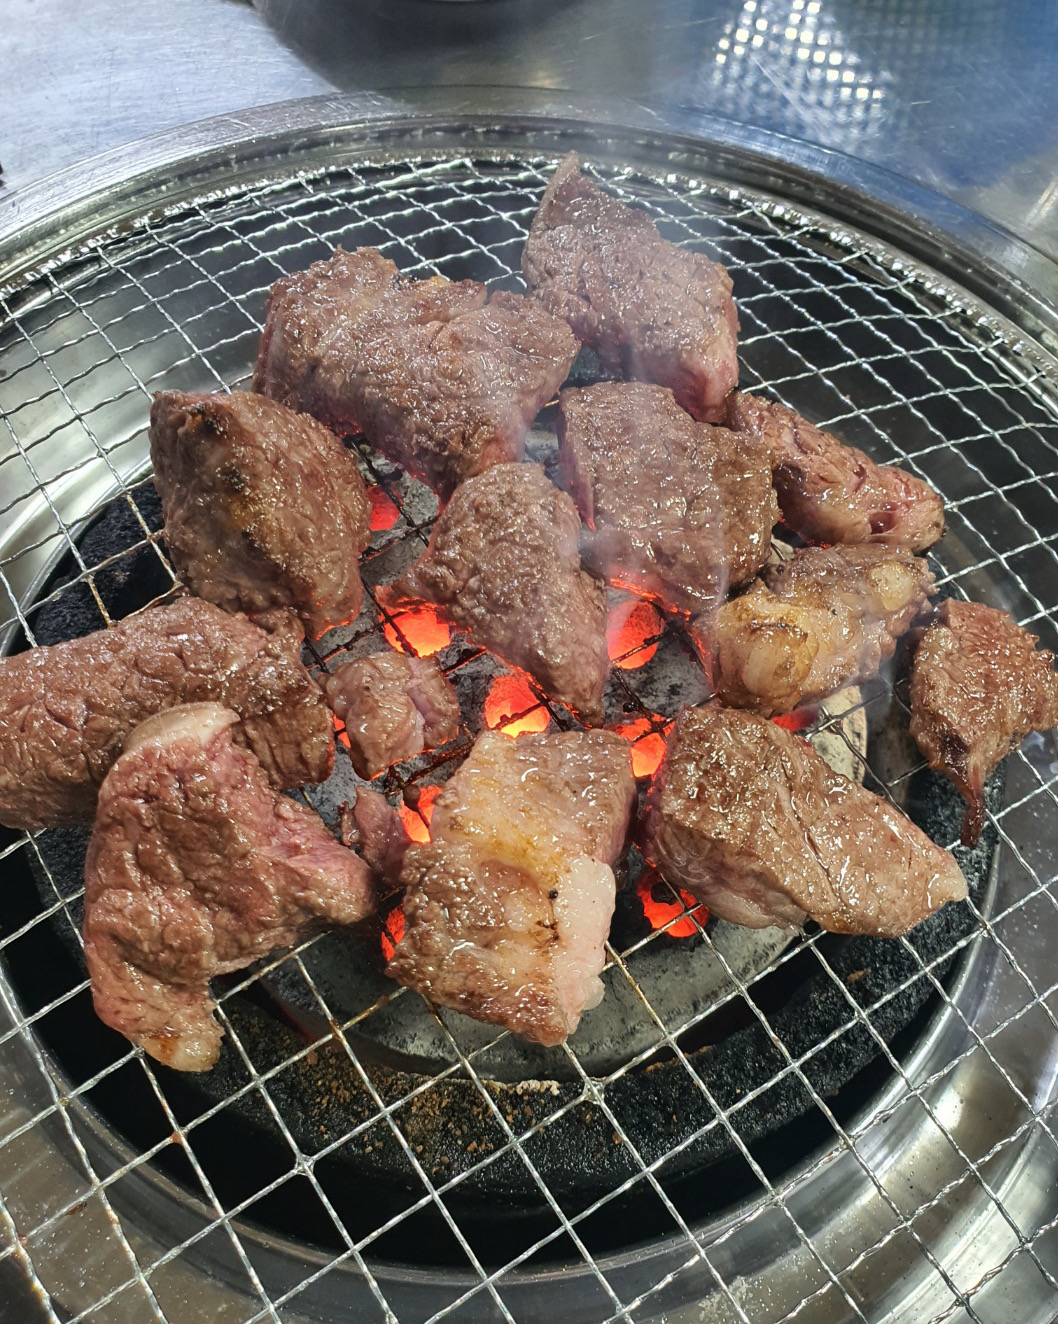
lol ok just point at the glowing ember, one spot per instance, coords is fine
(512, 707)
(630, 625)
(424, 630)
(648, 745)
(339, 730)
(392, 931)
(797, 720)
(384, 512)
(679, 919)
(417, 821)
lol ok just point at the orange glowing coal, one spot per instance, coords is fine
(648, 745)
(392, 930)
(512, 707)
(679, 919)
(422, 631)
(417, 821)
(384, 512)
(339, 730)
(797, 720)
(630, 626)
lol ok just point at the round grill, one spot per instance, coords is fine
(827, 1129)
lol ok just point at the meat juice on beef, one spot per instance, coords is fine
(393, 707)
(263, 507)
(979, 686)
(508, 907)
(674, 508)
(504, 564)
(828, 617)
(649, 309)
(748, 818)
(65, 710)
(195, 868)
(439, 377)
(832, 493)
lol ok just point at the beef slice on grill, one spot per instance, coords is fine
(393, 707)
(263, 507)
(195, 868)
(829, 492)
(504, 564)
(674, 508)
(508, 907)
(828, 617)
(979, 686)
(436, 375)
(66, 710)
(648, 309)
(748, 818)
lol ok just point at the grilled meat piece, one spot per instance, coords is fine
(829, 492)
(263, 507)
(979, 685)
(65, 710)
(195, 868)
(827, 618)
(508, 907)
(439, 379)
(393, 707)
(373, 826)
(674, 508)
(649, 309)
(503, 563)
(749, 819)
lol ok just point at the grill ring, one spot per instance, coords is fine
(796, 1224)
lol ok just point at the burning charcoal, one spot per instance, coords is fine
(748, 818)
(674, 508)
(649, 310)
(196, 867)
(827, 618)
(979, 685)
(507, 909)
(263, 507)
(504, 564)
(393, 706)
(831, 493)
(65, 710)
(436, 377)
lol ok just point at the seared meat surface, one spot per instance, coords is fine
(435, 375)
(65, 710)
(373, 826)
(828, 617)
(393, 707)
(748, 817)
(829, 492)
(508, 907)
(649, 309)
(263, 507)
(674, 508)
(979, 685)
(503, 562)
(197, 867)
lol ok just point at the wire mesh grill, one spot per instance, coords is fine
(832, 325)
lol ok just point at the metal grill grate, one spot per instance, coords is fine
(916, 1188)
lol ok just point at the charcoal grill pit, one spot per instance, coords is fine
(739, 1120)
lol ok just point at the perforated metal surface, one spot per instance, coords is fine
(919, 1204)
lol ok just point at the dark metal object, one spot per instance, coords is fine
(836, 322)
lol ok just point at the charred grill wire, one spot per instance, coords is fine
(372, 1135)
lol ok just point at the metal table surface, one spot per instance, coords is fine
(958, 95)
